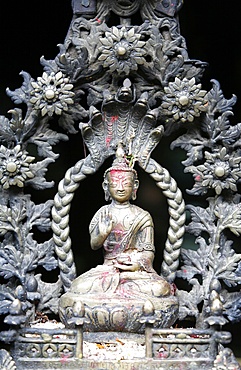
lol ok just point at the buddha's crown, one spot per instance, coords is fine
(121, 162)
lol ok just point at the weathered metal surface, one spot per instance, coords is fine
(122, 76)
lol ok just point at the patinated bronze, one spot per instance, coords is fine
(114, 294)
(124, 82)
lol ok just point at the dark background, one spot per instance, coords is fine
(30, 29)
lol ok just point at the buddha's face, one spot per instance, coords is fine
(121, 185)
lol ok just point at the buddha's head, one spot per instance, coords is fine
(120, 180)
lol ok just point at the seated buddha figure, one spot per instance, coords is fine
(115, 292)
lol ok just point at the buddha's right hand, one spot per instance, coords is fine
(105, 223)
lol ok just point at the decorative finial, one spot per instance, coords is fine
(120, 153)
(121, 162)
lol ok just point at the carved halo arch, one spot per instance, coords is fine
(134, 125)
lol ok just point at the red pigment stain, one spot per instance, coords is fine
(98, 20)
(108, 139)
(173, 288)
(118, 173)
(64, 359)
(104, 275)
(122, 290)
(123, 281)
(198, 178)
(162, 355)
(194, 336)
(113, 119)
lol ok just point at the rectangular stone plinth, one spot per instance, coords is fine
(146, 364)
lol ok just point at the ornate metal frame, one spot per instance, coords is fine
(133, 84)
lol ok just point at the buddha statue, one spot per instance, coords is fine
(113, 294)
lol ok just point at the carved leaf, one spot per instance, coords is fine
(217, 102)
(38, 254)
(229, 216)
(231, 136)
(4, 305)
(232, 305)
(18, 211)
(45, 255)
(20, 95)
(29, 255)
(39, 215)
(6, 299)
(39, 169)
(172, 68)
(193, 68)
(67, 120)
(194, 262)
(44, 139)
(10, 261)
(217, 128)
(11, 218)
(51, 65)
(193, 143)
(226, 269)
(50, 293)
(202, 220)
(5, 220)
(188, 301)
(226, 247)
(6, 133)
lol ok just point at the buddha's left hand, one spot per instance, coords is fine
(125, 263)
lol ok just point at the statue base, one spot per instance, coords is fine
(160, 349)
(117, 314)
(146, 364)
